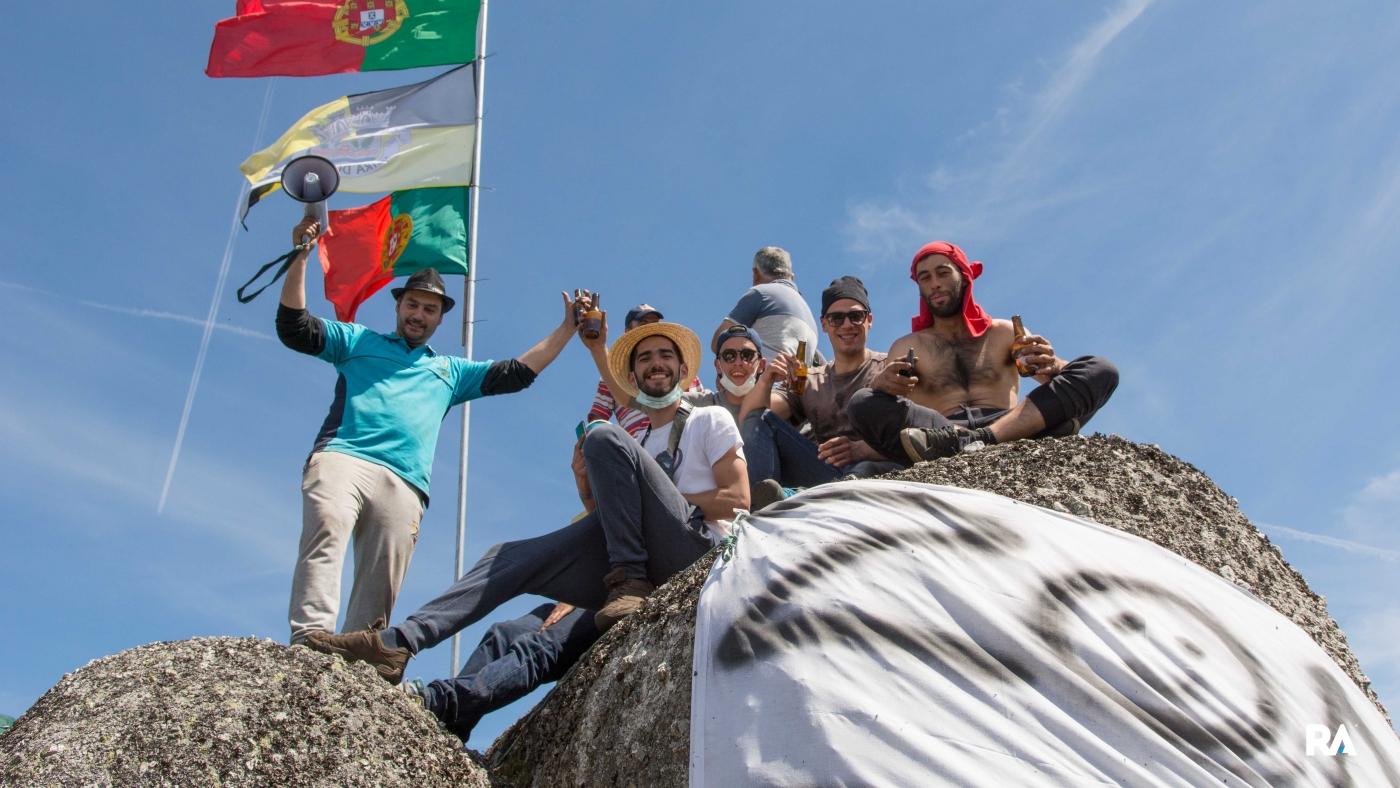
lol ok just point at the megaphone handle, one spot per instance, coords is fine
(317, 211)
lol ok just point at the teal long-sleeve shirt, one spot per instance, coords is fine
(390, 399)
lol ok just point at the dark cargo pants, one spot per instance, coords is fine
(1067, 402)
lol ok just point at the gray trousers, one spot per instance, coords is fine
(642, 525)
(345, 498)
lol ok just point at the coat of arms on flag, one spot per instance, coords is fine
(366, 22)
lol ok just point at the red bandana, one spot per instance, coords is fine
(977, 321)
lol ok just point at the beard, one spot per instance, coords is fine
(952, 307)
(416, 329)
(657, 388)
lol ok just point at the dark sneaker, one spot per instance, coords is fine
(923, 444)
(764, 493)
(625, 595)
(364, 646)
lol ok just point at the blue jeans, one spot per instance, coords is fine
(642, 525)
(513, 659)
(775, 450)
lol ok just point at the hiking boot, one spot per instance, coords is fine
(923, 444)
(764, 493)
(364, 646)
(625, 595)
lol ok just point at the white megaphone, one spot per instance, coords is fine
(312, 180)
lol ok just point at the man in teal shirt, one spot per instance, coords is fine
(368, 474)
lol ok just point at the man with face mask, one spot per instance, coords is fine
(738, 360)
(368, 473)
(964, 386)
(654, 507)
(780, 456)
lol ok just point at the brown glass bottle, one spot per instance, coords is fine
(1022, 368)
(799, 381)
(593, 319)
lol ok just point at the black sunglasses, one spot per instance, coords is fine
(836, 319)
(728, 355)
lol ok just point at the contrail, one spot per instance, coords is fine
(240, 330)
(126, 310)
(1341, 544)
(213, 307)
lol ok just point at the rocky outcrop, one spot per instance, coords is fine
(621, 716)
(229, 712)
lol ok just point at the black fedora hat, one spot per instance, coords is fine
(429, 281)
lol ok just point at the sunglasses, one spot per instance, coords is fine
(836, 319)
(729, 355)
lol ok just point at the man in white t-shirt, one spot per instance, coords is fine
(656, 494)
(641, 528)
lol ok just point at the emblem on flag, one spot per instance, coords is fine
(365, 22)
(396, 240)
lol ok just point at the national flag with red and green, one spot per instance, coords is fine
(405, 232)
(307, 38)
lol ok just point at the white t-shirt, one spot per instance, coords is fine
(709, 434)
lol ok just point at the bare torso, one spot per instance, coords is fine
(960, 369)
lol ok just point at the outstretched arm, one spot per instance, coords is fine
(598, 349)
(541, 355)
(294, 286)
(296, 327)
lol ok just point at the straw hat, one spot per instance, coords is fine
(620, 354)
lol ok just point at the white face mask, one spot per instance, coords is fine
(657, 403)
(735, 389)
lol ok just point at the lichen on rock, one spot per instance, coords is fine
(229, 712)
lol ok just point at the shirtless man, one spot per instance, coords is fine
(965, 386)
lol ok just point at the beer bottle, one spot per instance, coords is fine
(799, 383)
(593, 319)
(578, 310)
(1022, 368)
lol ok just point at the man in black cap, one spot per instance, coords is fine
(368, 474)
(781, 457)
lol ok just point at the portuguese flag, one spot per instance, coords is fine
(307, 38)
(405, 232)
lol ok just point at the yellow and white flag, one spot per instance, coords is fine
(403, 138)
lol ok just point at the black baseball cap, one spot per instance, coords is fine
(429, 281)
(640, 311)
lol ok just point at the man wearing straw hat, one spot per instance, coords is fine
(654, 507)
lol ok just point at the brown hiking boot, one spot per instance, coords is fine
(625, 595)
(364, 646)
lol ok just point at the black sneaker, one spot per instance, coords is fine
(923, 444)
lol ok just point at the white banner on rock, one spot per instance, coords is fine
(895, 634)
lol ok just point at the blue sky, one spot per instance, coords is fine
(1206, 193)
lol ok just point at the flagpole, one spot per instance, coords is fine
(469, 319)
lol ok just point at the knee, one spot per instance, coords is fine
(1102, 372)
(864, 406)
(757, 423)
(604, 439)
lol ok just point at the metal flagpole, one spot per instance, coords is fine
(469, 319)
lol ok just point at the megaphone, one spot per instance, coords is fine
(311, 180)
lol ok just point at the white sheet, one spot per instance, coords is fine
(892, 634)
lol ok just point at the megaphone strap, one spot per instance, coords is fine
(285, 260)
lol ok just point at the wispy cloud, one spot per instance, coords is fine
(126, 310)
(1330, 541)
(882, 227)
